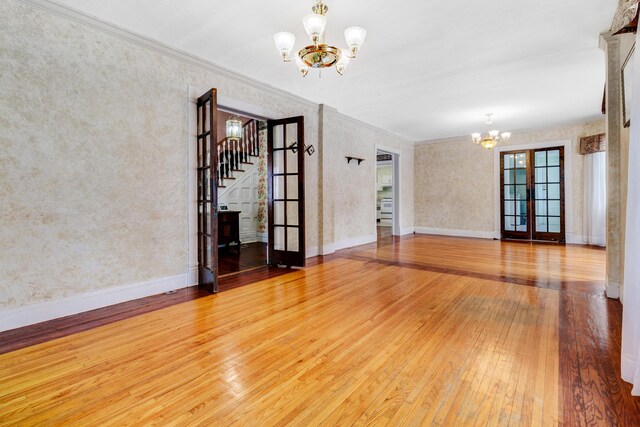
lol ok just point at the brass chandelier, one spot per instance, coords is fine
(319, 54)
(492, 138)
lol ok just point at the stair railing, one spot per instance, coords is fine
(232, 153)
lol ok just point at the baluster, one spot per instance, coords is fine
(218, 163)
(254, 137)
(254, 143)
(234, 154)
(243, 153)
(232, 163)
(223, 149)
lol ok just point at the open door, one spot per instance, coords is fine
(286, 148)
(207, 192)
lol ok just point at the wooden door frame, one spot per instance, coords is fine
(193, 93)
(570, 235)
(396, 229)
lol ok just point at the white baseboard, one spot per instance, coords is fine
(192, 276)
(628, 371)
(342, 244)
(406, 230)
(455, 232)
(355, 241)
(18, 317)
(612, 289)
(576, 239)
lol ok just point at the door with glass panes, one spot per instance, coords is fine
(532, 194)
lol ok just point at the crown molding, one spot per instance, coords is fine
(586, 122)
(327, 108)
(66, 12)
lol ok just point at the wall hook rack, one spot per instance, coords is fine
(358, 159)
(307, 148)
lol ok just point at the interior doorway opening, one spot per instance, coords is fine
(385, 194)
(242, 192)
(226, 216)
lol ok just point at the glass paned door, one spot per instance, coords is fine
(207, 192)
(532, 194)
(285, 140)
(515, 195)
(548, 193)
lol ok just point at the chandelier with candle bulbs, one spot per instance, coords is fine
(491, 138)
(319, 54)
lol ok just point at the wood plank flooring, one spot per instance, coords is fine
(419, 330)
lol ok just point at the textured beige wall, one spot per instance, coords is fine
(454, 180)
(352, 187)
(93, 157)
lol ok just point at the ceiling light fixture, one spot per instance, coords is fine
(319, 54)
(492, 138)
(234, 128)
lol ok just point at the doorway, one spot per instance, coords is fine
(385, 212)
(532, 194)
(247, 191)
(242, 192)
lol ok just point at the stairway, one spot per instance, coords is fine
(235, 156)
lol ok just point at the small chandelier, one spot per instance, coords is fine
(319, 54)
(492, 138)
(234, 129)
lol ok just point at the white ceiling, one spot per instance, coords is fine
(428, 69)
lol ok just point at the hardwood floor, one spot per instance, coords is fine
(414, 330)
(250, 255)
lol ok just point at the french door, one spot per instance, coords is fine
(207, 192)
(532, 194)
(286, 149)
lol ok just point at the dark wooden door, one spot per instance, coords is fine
(207, 192)
(547, 176)
(515, 219)
(285, 140)
(532, 194)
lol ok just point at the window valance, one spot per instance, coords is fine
(593, 144)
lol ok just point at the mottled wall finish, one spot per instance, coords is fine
(454, 179)
(352, 187)
(93, 157)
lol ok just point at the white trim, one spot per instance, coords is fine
(628, 367)
(455, 232)
(612, 289)
(192, 164)
(568, 182)
(354, 241)
(169, 51)
(18, 317)
(327, 249)
(407, 230)
(395, 186)
(578, 239)
(371, 127)
(462, 138)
